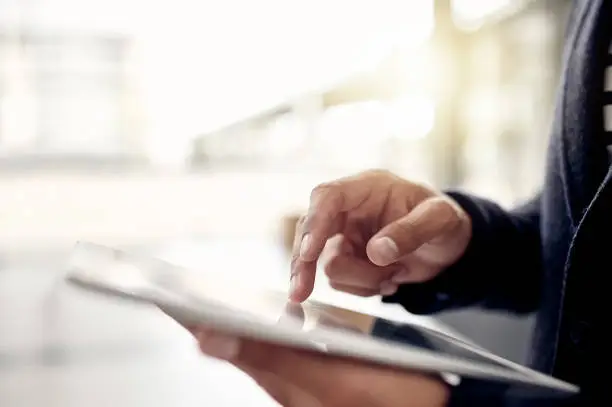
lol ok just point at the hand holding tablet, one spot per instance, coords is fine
(295, 377)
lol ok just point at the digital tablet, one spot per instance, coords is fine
(264, 314)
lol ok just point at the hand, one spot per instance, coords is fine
(379, 231)
(296, 378)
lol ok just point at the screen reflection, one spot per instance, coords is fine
(313, 315)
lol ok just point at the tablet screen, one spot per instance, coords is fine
(141, 276)
(272, 308)
(250, 310)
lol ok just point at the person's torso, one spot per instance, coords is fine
(577, 209)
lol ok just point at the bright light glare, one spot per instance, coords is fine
(216, 62)
(17, 126)
(354, 132)
(286, 135)
(410, 117)
(473, 11)
(203, 64)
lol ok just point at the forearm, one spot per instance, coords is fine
(501, 268)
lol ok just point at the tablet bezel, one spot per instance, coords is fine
(189, 310)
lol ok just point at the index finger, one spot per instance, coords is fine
(325, 218)
(329, 203)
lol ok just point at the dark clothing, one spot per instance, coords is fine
(552, 255)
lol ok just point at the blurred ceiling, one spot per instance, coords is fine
(400, 70)
(235, 58)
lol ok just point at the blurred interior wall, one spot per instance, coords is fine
(505, 115)
(513, 76)
(449, 46)
(65, 93)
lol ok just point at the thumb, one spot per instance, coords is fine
(431, 218)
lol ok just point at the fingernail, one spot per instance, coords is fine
(401, 277)
(387, 288)
(305, 245)
(385, 251)
(219, 346)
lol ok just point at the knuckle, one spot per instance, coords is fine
(441, 204)
(407, 228)
(294, 261)
(323, 199)
(421, 186)
(407, 235)
(415, 191)
(322, 190)
(318, 217)
(446, 211)
(378, 173)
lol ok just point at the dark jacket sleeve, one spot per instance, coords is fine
(501, 268)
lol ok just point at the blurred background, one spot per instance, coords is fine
(195, 130)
